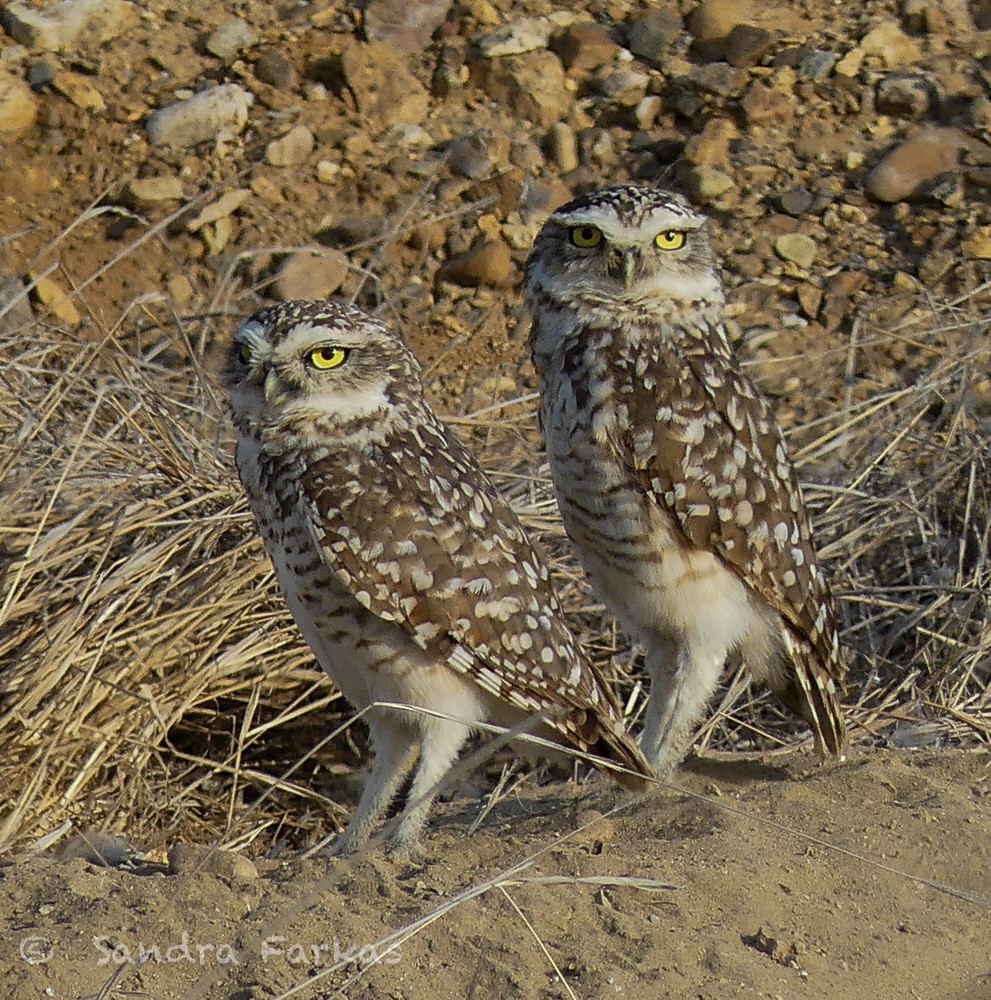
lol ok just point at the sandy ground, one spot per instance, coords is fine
(777, 878)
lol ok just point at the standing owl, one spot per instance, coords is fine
(671, 473)
(409, 576)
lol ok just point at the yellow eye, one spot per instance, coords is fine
(670, 239)
(585, 236)
(328, 357)
(244, 354)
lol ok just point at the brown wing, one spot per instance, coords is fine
(744, 503)
(462, 579)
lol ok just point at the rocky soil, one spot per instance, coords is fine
(167, 167)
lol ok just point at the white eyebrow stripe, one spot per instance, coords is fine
(307, 334)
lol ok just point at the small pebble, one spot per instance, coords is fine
(715, 19)
(469, 156)
(292, 149)
(40, 75)
(230, 38)
(70, 23)
(18, 107)
(562, 146)
(708, 183)
(796, 201)
(304, 275)
(488, 263)
(817, 64)
(151, 190)
(180, 290)
(196, 859)
(207, 115)
(274, 69)
(525, 35)
(905, 172)
(51, 294)
(797, 248)
(220, 209)
(652, 34)
(977, 244)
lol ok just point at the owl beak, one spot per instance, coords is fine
(273, 390)
(631, 258)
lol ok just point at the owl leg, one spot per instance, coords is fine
(395, 748)
(440, 743)
(682, 678)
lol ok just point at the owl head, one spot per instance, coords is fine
(317, 360)
(631, 243)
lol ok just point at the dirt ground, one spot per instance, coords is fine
(776, 878)
(402, 155)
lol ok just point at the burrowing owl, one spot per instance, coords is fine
(410, 578)
(671, 473)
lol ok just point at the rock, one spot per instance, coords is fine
(906, 96)
(230, 38)
(18, 107)
(797, 248)
(213, 113)
(810, 299)
(51, 294)
(80, 90)
(152, 190)
(717, 78)
(707, 183)
(15, 307)
(761, 103)
(713, 20)
(310, 275)
(651, 35)
(817, 64)
(513, 39)
(40, 75)
(711, 147)
(626, 87)
(488, 263)
(220, 209)
(850, 64)
(584, 46)
(940, 17)
(196, 859)
(274, 69)
(180, 290)
(385, 92)
(405, 25)
(562, 146)
(327, 171)
(746, 45)
(532, 86)
(470, 155)
(797, 201)
(891, 45)
(977, 244)
(71, 23)
(292, 149)
(647, 112)
(348, 230)
(907, 170)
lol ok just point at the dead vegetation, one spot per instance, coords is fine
(152, 682)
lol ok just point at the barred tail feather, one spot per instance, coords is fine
(812, 693)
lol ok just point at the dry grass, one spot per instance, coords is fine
(151, 681)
